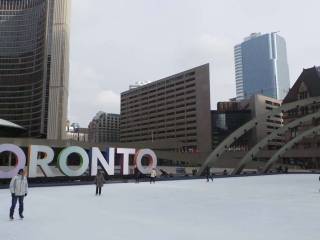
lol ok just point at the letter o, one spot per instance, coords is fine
(152, 160)
(63, 157)
(21, 159)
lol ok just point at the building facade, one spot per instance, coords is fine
(105, 127)
(226, 122)
(175, 108)
(261, 66)
(76, 133)
(231, 115)
(306, 86)
(260, 105)
(34, 65)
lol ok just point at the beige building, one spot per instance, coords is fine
(256, 105)
(173, 108)
(260, 105)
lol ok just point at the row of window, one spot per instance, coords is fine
(154, 87)
(145, 110)
(159, 113)
(156, 97)
(162, 106)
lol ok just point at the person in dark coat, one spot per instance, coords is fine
(137, 174)
(99, 181)
(208, 174)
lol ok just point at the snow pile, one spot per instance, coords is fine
(257, 208)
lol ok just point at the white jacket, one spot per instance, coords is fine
(153, 173)
(19, 185)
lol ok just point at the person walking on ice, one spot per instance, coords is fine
(137, 174)
(19, 190)
(209, 174)
(99, 181)
(153, 176)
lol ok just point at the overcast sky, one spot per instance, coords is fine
(117, 43)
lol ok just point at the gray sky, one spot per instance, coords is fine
(116, 43)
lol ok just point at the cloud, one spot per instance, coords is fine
(116, 43)
(107, 98)
(89, 94)
(218, 51)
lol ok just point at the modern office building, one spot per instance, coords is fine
(34, 65)
(261, 66)
(260, 105)
(104, 128)
(175, 108)
(226, 122)
(233, 114)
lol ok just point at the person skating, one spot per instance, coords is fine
(19, 190)
(99, 181)
(153, 176)
(208, 174)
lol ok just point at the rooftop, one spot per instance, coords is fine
(5, 123)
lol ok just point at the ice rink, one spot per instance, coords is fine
(248, 208)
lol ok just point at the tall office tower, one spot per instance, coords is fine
(34, 65)
(261, 66)
(173, 108)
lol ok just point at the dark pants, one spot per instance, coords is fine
(137, 178)
(98, 190)
(152, 180)
(14, 202)
(209, 177)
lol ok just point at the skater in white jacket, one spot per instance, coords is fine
(19, 190)
(153, 176)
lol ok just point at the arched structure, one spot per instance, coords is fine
(225, 144)
(289, 145)
(264, 142)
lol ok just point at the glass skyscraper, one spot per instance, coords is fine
(261, 66)
(34, 65)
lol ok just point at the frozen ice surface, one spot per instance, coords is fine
(258, 208)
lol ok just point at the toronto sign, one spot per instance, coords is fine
(41, 156)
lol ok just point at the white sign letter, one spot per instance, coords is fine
(43, 162)
(63, 158)
(20, 156)
(151, 157)
(96, 156)
(125, 163)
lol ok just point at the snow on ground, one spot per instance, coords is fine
(257, 208)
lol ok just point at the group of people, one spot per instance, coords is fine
(100, 180)
(19, 188)
(137, 175)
